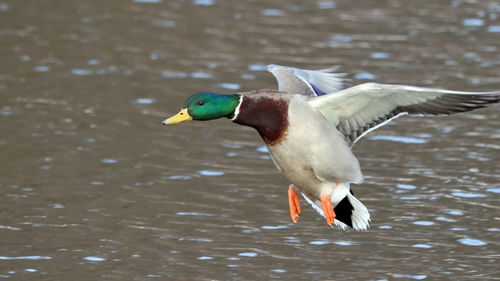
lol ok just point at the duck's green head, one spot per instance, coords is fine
(206, 106)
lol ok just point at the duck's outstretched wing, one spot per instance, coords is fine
(361, 109)
(307, 82)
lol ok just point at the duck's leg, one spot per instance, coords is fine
(293, 203)
(326, 205)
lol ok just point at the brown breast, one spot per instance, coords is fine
(267, 112)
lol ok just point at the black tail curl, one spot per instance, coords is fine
(343, 211)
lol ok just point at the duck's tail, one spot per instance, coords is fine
(355, 213)
(348, 212)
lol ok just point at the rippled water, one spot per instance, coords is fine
(94, 188)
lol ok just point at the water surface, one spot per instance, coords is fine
(94, 188)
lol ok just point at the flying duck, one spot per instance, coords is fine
(311, 122)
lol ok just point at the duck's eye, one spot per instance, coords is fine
(201, 102)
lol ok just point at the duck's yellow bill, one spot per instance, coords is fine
(182, 116)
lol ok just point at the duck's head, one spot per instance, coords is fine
(206, 106)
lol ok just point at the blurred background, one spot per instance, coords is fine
(93, 187)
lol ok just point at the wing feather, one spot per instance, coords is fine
(307, 82)
(359, 110)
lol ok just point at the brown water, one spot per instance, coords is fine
(94, 188)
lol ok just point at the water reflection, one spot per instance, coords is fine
(229, 86)
(26, 258)
(204, 258)
(472, 242)
(204, 2)
(145, 100)
(211, 173)
(96, 259)
(364, 76)
(494, 28)
(398, 139)
(472, 22)
(248, 254)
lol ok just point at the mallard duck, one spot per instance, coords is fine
(310, 123)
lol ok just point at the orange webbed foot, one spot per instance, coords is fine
(326, 205)
(293, 203)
